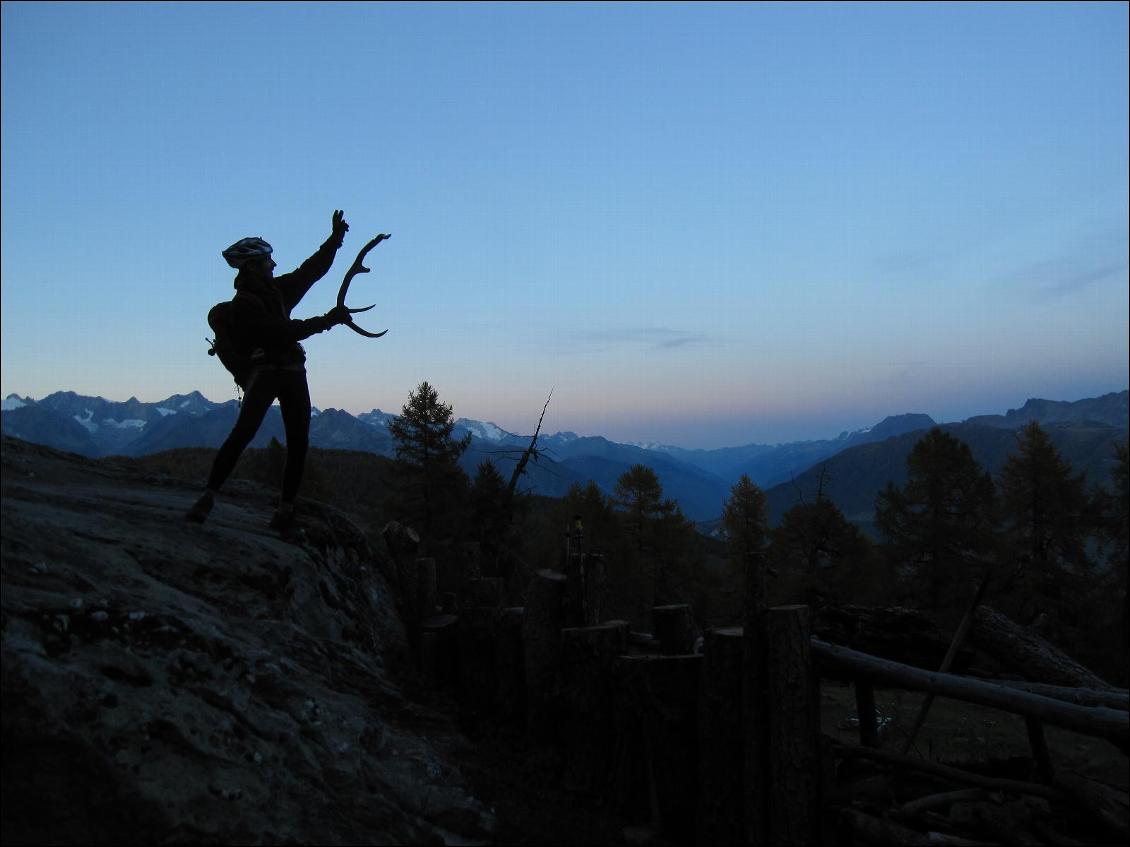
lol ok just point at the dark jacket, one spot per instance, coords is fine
(263, 307)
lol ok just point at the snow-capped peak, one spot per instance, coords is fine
(485, 431)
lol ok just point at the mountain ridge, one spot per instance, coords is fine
(699, 480)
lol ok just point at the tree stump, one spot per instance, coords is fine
(588, 658)
(541, 631)
(720, 729)
(510, 666)
(477, 674)
(794, 752)
(674, 627)
(653, 773)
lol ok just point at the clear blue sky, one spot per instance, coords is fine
(701, 224)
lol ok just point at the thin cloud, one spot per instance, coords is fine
(1101, 260)
(655, 338)
(650, 338)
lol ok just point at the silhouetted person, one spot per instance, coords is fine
(262, 322)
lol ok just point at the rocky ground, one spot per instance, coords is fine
(171, 682)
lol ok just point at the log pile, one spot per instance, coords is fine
(890, 799)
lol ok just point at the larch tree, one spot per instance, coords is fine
(428, 455)
(942, 522)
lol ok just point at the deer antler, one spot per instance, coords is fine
(358, 268)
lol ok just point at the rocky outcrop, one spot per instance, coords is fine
(170, 682)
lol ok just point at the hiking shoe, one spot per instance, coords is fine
(284, 523)
(201, 508)
(282, 520)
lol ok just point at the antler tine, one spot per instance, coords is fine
(358, 267)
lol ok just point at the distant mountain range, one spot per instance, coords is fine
(858, 464)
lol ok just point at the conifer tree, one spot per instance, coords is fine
(744, 519)
(816, 541)
(639, 493)
(1117, 532)
(487, 492)
(657, 529)
(943, 520)
(431, 479)
(602, 530)
(1045, 508)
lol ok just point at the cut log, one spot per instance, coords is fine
(1089, 720)
(901, 635)
(588, 657)
(541, 632)
(929, 803)
(956, 775)
(1108, 806)
(674, 627)
(871, 830)
(794, 728)
(719, 723)
(1024, 652)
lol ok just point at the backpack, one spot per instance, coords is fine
(228, 345)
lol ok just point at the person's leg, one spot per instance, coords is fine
(256, 401)
(294, 403)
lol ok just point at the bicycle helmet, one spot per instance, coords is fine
(244, 249)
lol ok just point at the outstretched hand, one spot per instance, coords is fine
(338, 315)
(340, 227)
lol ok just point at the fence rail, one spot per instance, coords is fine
(1101, 721)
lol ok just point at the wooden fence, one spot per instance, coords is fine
(722, 746)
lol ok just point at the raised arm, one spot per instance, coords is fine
(295, 284)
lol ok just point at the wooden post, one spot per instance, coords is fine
(594, 587)
(656, 701)
(484, 591)
(754, 707)
(588, 656)
(865, 709)
(425, 589)
(951, 654)
(794, 777)
(477, 674)
(674, 627)
(719, 819)
(1040, 749)
(541, 632)
(510, 666)
(439, 647)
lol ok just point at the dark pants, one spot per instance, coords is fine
(293, 394)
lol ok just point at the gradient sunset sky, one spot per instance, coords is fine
(701, 224)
